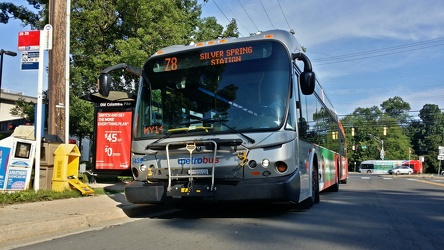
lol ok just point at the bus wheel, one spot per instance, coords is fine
(369, 171)
(315, 186)
(335, 186)
(314, 198)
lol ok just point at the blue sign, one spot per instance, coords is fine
(17, 179)
(30, 60)
(4, 157)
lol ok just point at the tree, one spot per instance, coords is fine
(81, 123)
(27, 16)
(374, 129)
(428, 135)
(231, 29)
(108, 32)
(23, 109)
(396, 108)
(26, 110)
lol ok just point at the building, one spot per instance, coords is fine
(8, 99)
(7, 102)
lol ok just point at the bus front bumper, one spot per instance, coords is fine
(282, 189)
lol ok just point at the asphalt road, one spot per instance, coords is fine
(370, 212)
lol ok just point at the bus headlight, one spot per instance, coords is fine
(265, 163)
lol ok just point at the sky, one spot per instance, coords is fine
(363, 52)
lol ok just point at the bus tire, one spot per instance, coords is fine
(315, 188)
(335, 186)
(314, 198)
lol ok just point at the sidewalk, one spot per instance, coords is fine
(23, 221)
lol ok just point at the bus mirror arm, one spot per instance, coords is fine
(308, 77)
(105, 80)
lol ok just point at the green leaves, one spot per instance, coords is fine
(402, 133)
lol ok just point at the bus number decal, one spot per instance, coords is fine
(153, 129)
(171, 63)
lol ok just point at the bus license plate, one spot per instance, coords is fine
(198, 171)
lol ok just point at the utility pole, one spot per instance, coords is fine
(56, 79)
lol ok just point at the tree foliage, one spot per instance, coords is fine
(35, 17)
(108, 32)
(23, 109)
(428, 134)
(402, 133)
(81, 124)
(396, 108)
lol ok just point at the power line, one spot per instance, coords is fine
(291, 30)
(235, 18)
(257, 29)
(266, 13)
(221, 11)
(379, 52)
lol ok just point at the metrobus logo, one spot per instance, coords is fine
(200, 160)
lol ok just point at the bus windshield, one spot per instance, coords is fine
(214, 89)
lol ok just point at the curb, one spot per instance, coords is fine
(24, 230)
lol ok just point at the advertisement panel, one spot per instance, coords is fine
(113, 140)
(4, 157)
(20, 163)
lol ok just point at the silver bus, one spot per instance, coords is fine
(238, 119)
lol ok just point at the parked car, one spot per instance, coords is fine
(401, 170)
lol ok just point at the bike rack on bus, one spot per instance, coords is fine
(190, 147)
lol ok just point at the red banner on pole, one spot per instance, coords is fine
(29, 40)
(113, 141)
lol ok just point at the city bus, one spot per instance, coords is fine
(236, 119)
(379, 166)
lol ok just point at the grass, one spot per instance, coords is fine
(25, 196)
(7, 198)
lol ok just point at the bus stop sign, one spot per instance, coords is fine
(29, 40)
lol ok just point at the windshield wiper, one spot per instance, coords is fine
(222, 121)
(187, 129)
(210, 120)
(251, 140)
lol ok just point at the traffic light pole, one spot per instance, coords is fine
(382, 153)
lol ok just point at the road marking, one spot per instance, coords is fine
(433, 183)
(366, 178)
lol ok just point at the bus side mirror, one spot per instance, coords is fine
(307, 79)
(307, 82)
(104, 84)
(105, 80)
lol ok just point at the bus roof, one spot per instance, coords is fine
(285, 37)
